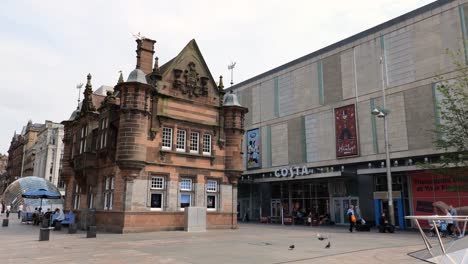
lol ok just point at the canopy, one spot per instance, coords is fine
(41, 194)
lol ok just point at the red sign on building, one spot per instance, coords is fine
(433, 193)
(346, 132)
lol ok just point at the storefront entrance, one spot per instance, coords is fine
(341, 206)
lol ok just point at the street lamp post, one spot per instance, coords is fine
(383, 113)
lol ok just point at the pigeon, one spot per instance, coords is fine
(328, 245)
(320, 237)
(291, 247)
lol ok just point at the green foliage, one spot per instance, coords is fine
(452, 109)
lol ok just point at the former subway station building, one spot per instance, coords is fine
(164, 139)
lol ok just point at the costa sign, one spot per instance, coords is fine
(292, 172)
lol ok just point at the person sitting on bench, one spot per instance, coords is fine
(60, 216)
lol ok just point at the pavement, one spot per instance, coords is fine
(251, 243)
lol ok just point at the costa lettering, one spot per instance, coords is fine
(292, 172)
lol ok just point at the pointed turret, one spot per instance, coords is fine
(221, 85)
(87, 104)
(121, 79)
(234, 131)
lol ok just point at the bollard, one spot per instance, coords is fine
(44, 234)
(5, 222)
(91, 232)
(72, 228)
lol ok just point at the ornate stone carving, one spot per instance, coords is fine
(190, 83)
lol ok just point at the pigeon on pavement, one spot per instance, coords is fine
(320, 237)
(328, 245)
(291, 247)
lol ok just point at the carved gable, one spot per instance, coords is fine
(187, 76)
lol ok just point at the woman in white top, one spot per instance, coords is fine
(449, 222)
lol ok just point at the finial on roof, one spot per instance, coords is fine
(156, 64)
(121, 79)
(88, 83)
(220, 85)
(87, 104)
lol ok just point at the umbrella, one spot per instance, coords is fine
(41, 194)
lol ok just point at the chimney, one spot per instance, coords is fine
(145, 51)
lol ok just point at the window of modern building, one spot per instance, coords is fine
(212, 195)
(206, 144)
(181, 139)
(167, 138)
(185, 192)
(108, 193)
(194, 139)
(157, 193)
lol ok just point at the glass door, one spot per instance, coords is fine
(337, 210)
(341, 206)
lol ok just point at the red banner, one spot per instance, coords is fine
(345, 131)
(433, 194)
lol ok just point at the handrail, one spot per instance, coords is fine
(438, 217)
(433, 219)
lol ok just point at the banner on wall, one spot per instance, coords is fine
(346, 132)
(433, 194)
(253, 149)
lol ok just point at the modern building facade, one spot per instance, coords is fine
(311, 142)
(163, 140)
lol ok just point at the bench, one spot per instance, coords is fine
(69, 218)
(26, 217)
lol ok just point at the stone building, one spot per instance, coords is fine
(3, 172)
(48, 151)
(312, 144)
(162, 141)
(21, 153)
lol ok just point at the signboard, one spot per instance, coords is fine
(433, 193)
(253, 149)
(346, 132)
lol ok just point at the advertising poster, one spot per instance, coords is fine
(346, 132)
(433, 194)
(253, 149)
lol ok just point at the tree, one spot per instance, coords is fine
(452, 110)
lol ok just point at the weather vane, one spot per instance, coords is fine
(231, 68)
(79, 86)
(138, 36)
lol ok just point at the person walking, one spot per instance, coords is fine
(8, 208)
(453, 212)
(20, 209)
(352, 217)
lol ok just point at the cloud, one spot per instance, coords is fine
(47, 47)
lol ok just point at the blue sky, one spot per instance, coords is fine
(47, 47)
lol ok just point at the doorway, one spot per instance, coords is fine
(340, 207)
